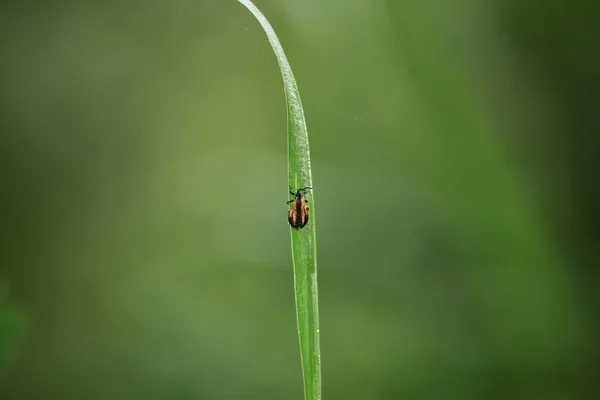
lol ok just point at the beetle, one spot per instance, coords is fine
(298, 214)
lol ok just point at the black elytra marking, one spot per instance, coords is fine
(298, 214)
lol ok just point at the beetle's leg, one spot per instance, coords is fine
(291, 201)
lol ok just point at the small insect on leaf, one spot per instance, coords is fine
(298, 214)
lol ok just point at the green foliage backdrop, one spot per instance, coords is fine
(145, 244)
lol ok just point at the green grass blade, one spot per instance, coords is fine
(304, 249)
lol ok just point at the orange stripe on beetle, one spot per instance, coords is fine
(298, 214)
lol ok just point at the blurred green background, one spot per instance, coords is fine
(145, 250)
